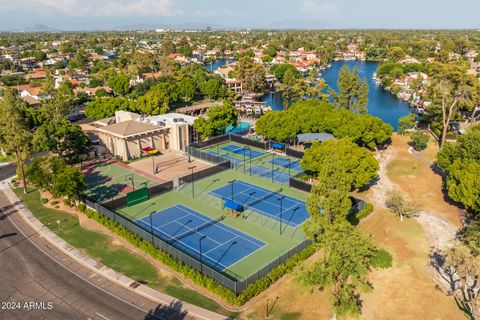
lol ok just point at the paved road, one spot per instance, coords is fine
(6, 171)
(33, 271)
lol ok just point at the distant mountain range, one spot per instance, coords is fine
(36, 28)
(131, 27)
(180, 26)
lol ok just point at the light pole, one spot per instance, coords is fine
(281, 211)
(244, 158)
(289, 165)
(201, 256)
(231, 182)
(151, 225)
(133, 182)
(153, 164)
(273, 162)
(250, 150)
(193, 187)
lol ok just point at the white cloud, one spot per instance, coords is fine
(84, 8)
(316, 7)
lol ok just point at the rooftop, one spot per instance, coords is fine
(128, 128)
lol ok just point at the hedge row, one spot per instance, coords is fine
(194, 275)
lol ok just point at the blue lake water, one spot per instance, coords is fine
(217, 64)
(381, 103)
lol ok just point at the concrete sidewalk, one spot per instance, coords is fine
(102, 270)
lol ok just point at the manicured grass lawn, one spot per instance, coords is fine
(99, 247)
(94, 244)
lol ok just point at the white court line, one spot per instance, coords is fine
(274, 216)
(221, 244)
(236, 234)
(248, 255)
(257, 246)
(219, 225)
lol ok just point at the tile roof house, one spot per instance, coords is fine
(32, 102)
(33, 92)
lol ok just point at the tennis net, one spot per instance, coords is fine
(262, 198)
(196, 229)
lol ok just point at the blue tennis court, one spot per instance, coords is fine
(249, 153)
(264, 172)
(265, 202)
(233, 160)
(192, 232)
(284, 162)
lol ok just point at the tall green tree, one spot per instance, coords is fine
(353, 91)
(359, 164)
(60, 137)
(451, 91)
(214, 88)
(217, 121)
(60, 104)
(54, 175)
(252, 73)
(289, 81)
(100, 108)
(461, 162)
(120, 83)
(187, 89)
(328, 202)
(405, 123)
(345, 265)
(15, 138)
(463, 183)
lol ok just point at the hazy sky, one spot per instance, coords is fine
(96, 14)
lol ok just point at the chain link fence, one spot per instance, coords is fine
(226, 278)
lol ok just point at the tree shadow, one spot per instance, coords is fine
(173, 311)
(372, 183)
(6, 235)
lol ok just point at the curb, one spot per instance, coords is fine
(104, 271)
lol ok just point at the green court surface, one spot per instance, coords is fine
(255, 225)
(110, 180)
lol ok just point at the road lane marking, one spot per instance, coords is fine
(71, 271)
(101, 315)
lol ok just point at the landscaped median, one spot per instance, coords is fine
(101, 247)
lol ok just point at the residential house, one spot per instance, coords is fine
(33, 92)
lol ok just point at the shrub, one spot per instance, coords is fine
(382, 260)
(419, 140)
(54, 202)
(82, 207)
(354, 219)
(44, 201)
(67, 202)
(365, 212)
